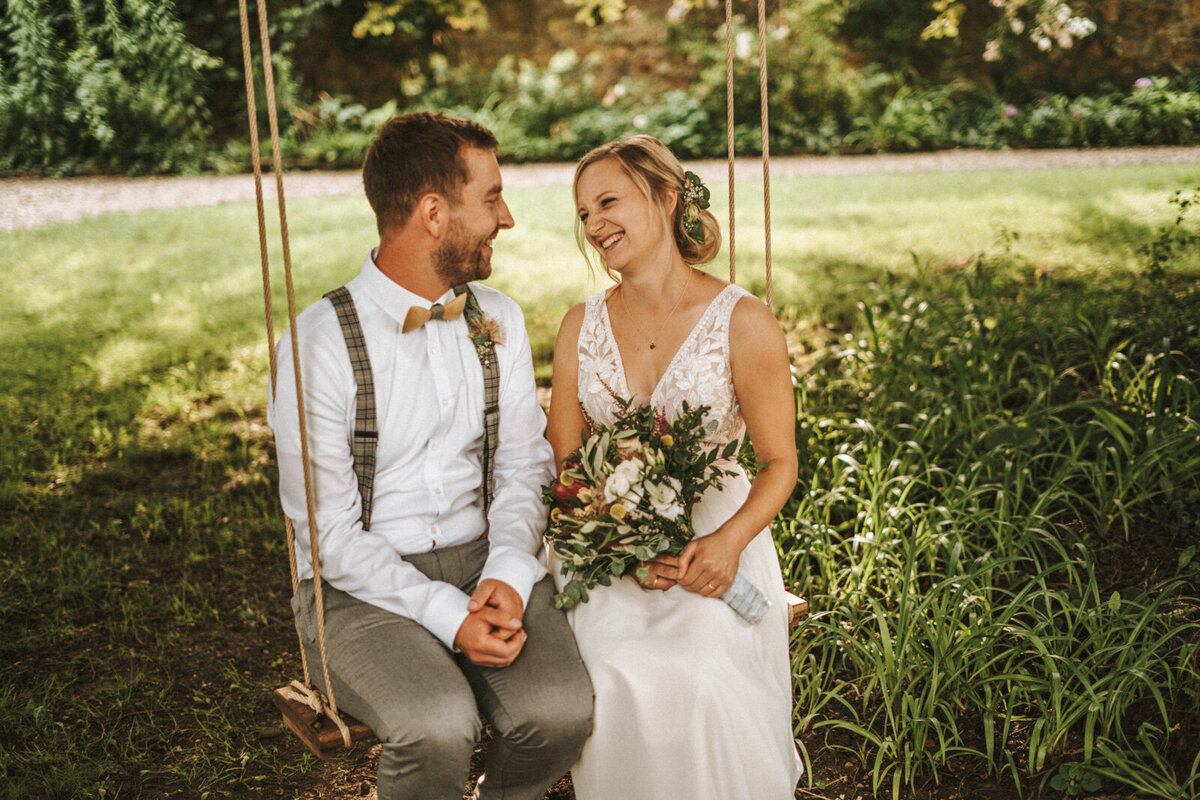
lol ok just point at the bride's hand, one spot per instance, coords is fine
(664, 573)
(709, 564)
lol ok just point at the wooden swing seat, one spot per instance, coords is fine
(322, 737)
(317, 731)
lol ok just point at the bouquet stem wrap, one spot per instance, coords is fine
(745, 598)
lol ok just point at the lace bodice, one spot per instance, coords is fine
(699, 373)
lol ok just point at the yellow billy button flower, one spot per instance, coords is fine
(667, 440)
(617, 511)
(565, 478)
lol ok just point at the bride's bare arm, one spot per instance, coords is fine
(762, 381)
(566, 419)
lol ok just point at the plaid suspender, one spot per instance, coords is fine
(485, 348)
(366, 431)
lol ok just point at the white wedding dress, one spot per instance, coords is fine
(692, 702)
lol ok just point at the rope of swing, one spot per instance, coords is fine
(305, 693)
(766, 143)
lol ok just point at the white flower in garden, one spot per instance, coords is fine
(743, 43)
(1079, 27)
(625, 483)
(664, 498)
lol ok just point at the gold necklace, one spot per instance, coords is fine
(667, 318)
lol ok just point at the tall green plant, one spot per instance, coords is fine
(108, 84)
(971, 459)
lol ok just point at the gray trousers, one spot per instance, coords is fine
(424, 701)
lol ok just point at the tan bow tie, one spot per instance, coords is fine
(418, 316)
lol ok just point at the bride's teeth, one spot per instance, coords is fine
(610, 241)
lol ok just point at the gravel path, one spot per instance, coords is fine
(30, 202)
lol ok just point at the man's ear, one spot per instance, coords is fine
(432, 213)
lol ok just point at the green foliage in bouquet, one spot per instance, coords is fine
(626, 495)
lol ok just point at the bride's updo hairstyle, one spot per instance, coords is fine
(656, 171)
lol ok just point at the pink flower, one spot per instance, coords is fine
(1009, 111)
(1143, 83)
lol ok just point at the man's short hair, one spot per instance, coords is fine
(415, 154)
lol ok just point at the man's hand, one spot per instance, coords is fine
(478, 641)
(500, 595)
(492, 635)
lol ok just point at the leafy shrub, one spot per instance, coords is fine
(110, 85)
(978, 461)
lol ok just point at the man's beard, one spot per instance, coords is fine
(459, 259)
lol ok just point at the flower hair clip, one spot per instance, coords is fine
(695, 200)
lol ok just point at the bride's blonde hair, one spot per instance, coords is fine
(656, 172)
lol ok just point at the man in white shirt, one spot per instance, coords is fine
(437, 607)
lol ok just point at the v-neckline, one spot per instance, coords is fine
(612, 338)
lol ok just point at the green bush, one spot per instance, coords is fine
(979, 462)
(552, 114)
(106, 85)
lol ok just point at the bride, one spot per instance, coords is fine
(692, 701)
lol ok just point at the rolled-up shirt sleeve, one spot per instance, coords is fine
(524, 463)
(356, 561)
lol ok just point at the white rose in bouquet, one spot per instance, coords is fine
(625, 482)
(664, 498)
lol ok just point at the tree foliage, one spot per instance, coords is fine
(1045, 23)
(417, 18)
(98, 83)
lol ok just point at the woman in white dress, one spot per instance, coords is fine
(692, 701)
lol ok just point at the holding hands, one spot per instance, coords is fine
(492, 634)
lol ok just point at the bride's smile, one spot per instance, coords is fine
(617, 219)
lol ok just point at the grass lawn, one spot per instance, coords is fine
(996, 523)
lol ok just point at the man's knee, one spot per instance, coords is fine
(562, 724)
(447, 729)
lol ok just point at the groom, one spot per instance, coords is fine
(428, 507)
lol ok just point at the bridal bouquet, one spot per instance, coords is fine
(626, 495)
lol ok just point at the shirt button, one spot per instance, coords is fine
(434, 530)
(433, 351)
(434, 445)
(445, 401)
(437, 490)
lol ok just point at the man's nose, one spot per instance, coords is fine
(506, 220)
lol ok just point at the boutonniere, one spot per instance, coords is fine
(485, 333)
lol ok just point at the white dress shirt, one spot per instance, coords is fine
(429, 473)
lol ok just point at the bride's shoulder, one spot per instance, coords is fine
(572, 324)
(752, 323)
